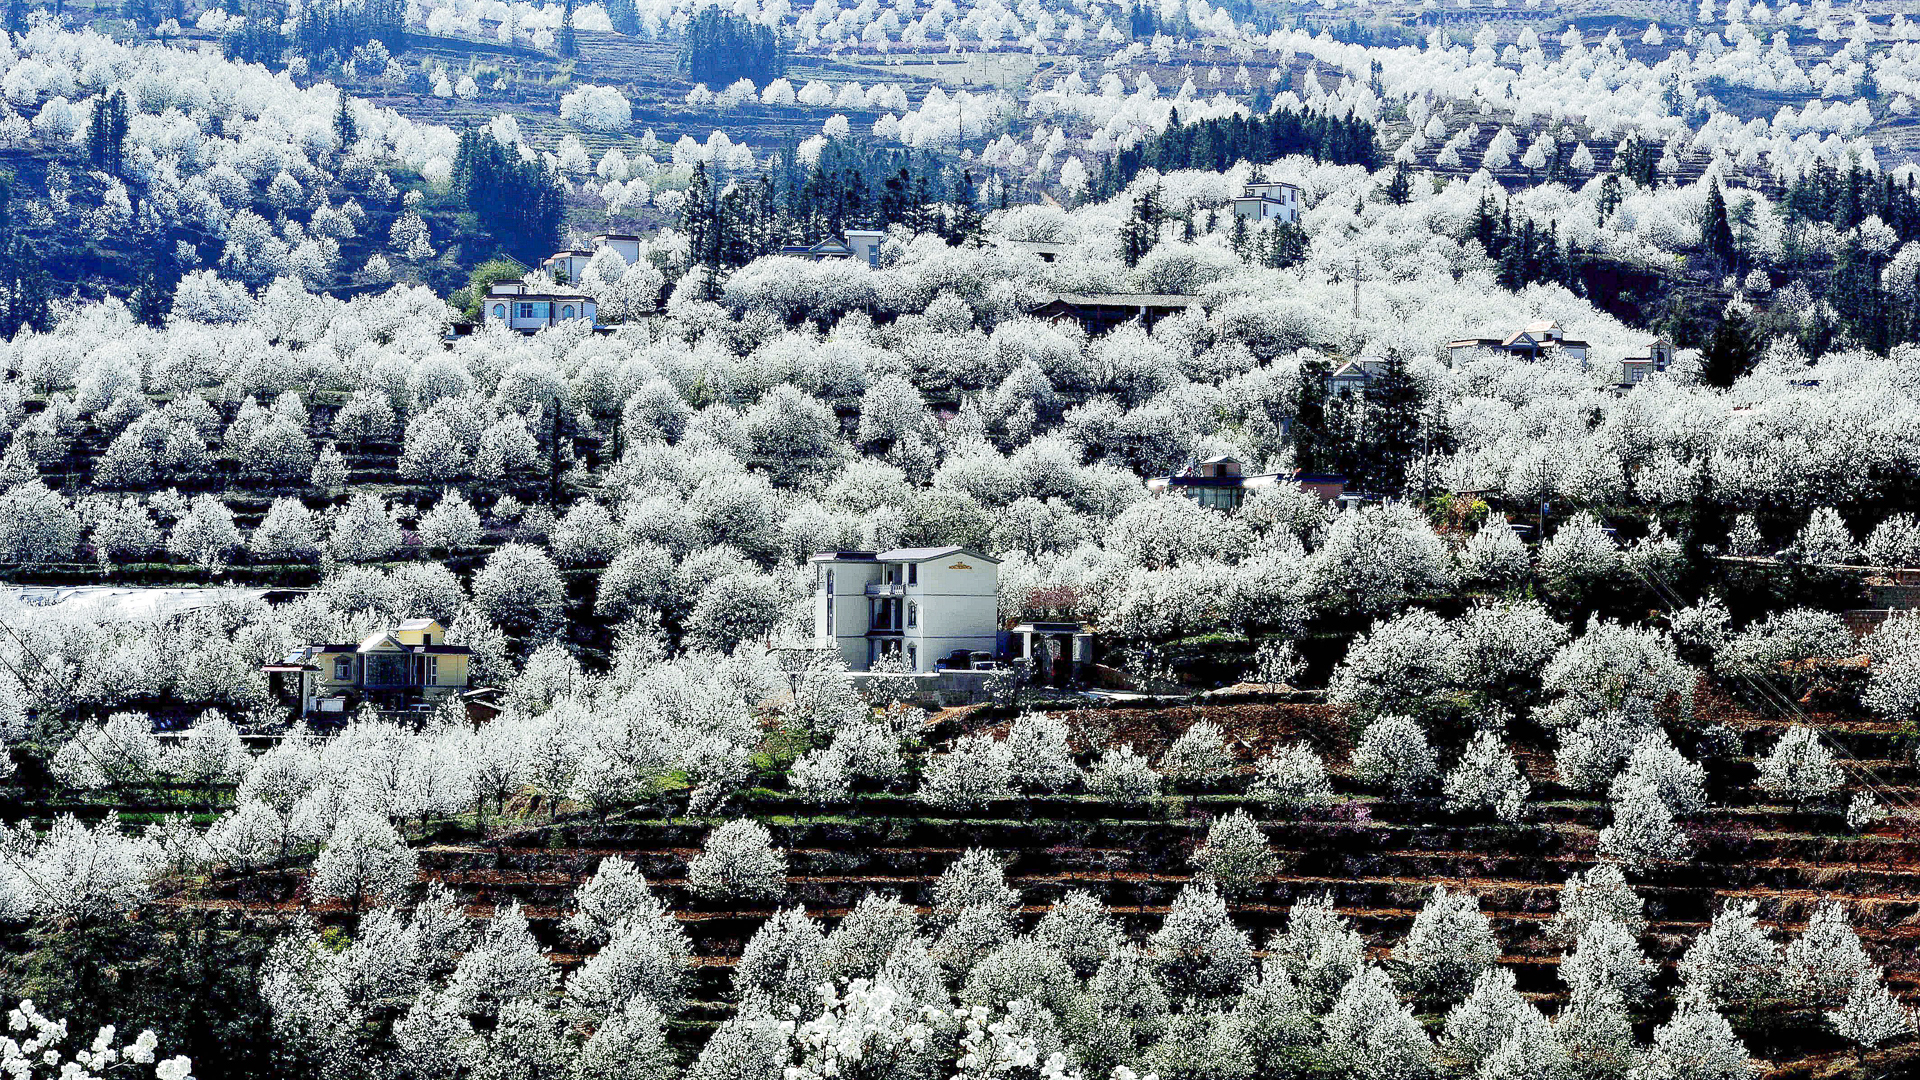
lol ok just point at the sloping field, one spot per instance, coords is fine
(1377, 857)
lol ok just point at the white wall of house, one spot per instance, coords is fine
(567, 266)
(529, 313)
(959, 607)
(840, 605)
(629, 248)
(865, 245)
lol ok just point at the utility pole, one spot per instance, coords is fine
(1356, 298)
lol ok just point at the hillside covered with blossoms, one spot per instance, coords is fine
(1062, 541)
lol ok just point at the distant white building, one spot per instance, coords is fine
(1273, 201)
(626, 245)
(929, 606)
(566, 266)
(527, 308)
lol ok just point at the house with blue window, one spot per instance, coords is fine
(529, 308)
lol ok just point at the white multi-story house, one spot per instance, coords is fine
(1269, 201)
(566, 265)
(930, 607)
(527, 308)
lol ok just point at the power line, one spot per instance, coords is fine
(1664, 591)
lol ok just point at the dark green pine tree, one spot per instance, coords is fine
(700, 218)
(1399, 189)
(569, 44)
(107, 133)
(517, 203)
(151, 301)
(345, 131)
(1288, 247)
(1141, 231)
(967, 219)
(1610, 195)
(1716, 230)
(624, 16)
(1731, 353)
(1486, 226)
(1237, 236)
(1392, 425)
(1313, 448)
(26, 293)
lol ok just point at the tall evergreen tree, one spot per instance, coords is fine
(1288, 246)
(569, 45)
(1393, 425)
(345, 130)
(518, 203)
(1142, 228)
(107, 133)
(1313, 444)
(1731, 353)
(1716, 231)
(624, 16)
(1399, 188)
(968, 221)
(719, 48)
(700, 218)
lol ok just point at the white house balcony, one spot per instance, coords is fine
(886, 588)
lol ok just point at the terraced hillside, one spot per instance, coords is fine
(1378, 858)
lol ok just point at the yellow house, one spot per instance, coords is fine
(408, 664)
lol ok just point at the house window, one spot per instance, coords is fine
(433, 671)
(913, 658)
(426, 639)
(913, 573)
(566, 311)
(343, 669)
(523, 311)
(386, 669)
(913, 613)
(499, 311)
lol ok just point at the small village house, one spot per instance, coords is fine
(1098, 313)
(409, 665)
(924, 607)
(1537, 341)
(1352, 378)
(565, 267)
(1222, 483)
(853, 245)
(626, 245)
(1274, 201)
(1658, 357)
(528, 308)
